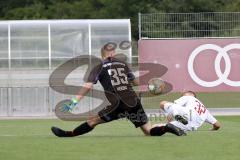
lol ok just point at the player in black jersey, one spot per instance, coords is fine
(117, 79)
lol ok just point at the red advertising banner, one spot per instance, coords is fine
(206, 65)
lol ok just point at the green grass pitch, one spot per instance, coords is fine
(118, 140)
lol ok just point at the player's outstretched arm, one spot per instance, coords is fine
(216, 126)
(74, 101)
(84, 90)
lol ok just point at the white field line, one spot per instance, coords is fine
(150, 112)
(213, 111)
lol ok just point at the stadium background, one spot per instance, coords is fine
(33, 47)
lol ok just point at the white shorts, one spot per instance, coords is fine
(175, 109)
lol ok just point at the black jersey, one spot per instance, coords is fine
(115, 77)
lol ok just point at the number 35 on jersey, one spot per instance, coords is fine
(118, 78)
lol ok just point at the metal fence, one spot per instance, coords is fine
(36, 101)
(31, 50)
(189, 25)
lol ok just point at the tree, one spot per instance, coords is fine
(93, 9)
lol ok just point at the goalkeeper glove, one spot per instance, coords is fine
(67, 107)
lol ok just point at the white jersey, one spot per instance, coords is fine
(193, 110)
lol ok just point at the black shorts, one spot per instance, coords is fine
(135, 114)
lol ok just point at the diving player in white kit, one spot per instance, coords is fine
(192, 112)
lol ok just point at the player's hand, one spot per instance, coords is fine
(68, 107)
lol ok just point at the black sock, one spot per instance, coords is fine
(82, 129)
(170, 130)
(158, 131)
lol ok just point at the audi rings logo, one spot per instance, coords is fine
(221, 53)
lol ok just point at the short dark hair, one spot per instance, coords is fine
(191, 92)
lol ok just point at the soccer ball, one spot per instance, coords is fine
(156, 86)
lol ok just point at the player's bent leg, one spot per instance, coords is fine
(146, 128)
(160, 130)
(168, 107)
(95, 120)
(174, 110)
(181, 119)
(139, 118)
(174, 130)
(59, 132)
(157, 131)
(80, 130)
(87, 126)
